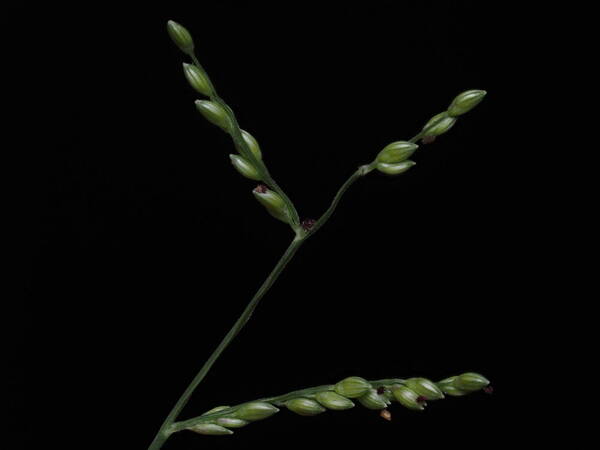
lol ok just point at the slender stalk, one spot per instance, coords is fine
(418, 136)
(360, 172)
(162, 436)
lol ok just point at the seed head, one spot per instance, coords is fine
(244, 167)
(352, 387)
(334, 401)
(304, 406)
(255, 411)
(439, 124)
(470, 382)
(210, 429)
(372, 400)
(197, 79)
(180, 36)
(465, 102)
(425, 388)
(214, 113)
(396, 152)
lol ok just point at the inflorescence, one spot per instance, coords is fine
(393, 159)
(412, 393)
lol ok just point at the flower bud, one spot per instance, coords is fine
(470, 382)
(197, 79)
(396, 152)
(425, 388)
(210, 428)
(334, 401)
(214, 113)
(446, 381)
(231, 422)
(244, 167)
(408, 398)
(439, 124)
(372, 400)
(395, 169)
(465, 102)
(216, 409)
(352, 387)
(447, 387)
(180, 36)
(272, 202)
(304, 406)
(255, 411)
(453, 391)
(252, 144)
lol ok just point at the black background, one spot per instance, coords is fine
(147, 245)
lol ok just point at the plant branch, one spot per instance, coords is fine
(162, 436)
(385, 391)
(278, 400)
(242, 148)
(360, 172)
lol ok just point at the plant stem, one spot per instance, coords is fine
(360, 172)
(162, 436)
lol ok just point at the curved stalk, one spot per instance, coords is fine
(361, 171)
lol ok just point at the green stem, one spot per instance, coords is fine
(360, 172)
(162, 434)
